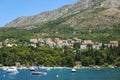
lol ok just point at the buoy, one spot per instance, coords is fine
(57, 75)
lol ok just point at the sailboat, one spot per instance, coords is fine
(38, 72)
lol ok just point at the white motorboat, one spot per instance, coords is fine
(73, 70)
(32, 68)
(12, 70)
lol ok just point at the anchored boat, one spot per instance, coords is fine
(38, 73)
(73, 70)
(12, 70)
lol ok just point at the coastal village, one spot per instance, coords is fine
(57, 42)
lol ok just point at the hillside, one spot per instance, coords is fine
(83, 14)
(98, 20)
(100, 16)
(50, 15)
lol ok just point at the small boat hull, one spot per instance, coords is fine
(38, 73)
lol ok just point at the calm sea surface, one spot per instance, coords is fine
(65, 74)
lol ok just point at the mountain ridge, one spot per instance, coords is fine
(47, 15)
(84, 14)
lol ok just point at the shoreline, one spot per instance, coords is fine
(48, 68)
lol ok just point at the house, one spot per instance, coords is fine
(40, 40)
(75, 39)
(58, 42)
(70, 41)
(50, 42)
(83, 46)
(113, 44)
(32, 45)
(11, 45)
(33, 40)
(88, 42)
(61, 43)
(97, 45)
(65, 43)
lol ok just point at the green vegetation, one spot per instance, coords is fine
(61, 31)
(44, 55)
(13, 33)
(48, 56)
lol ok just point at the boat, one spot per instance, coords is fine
(12, 70)
(73, 70)
(38, 73)
(32, 68)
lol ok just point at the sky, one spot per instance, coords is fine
(12, 9)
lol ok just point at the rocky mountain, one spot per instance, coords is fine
(102, 15)
(98, 20)
(93, 14)
(50, 15)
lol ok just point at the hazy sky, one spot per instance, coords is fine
(11, 9)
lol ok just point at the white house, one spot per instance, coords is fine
(33, 41)
(11, 45)
(83, 46)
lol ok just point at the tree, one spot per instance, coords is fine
(117, 62)
(76, 45)
(87, 61)
(99, 61)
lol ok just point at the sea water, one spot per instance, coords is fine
(65, 74)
